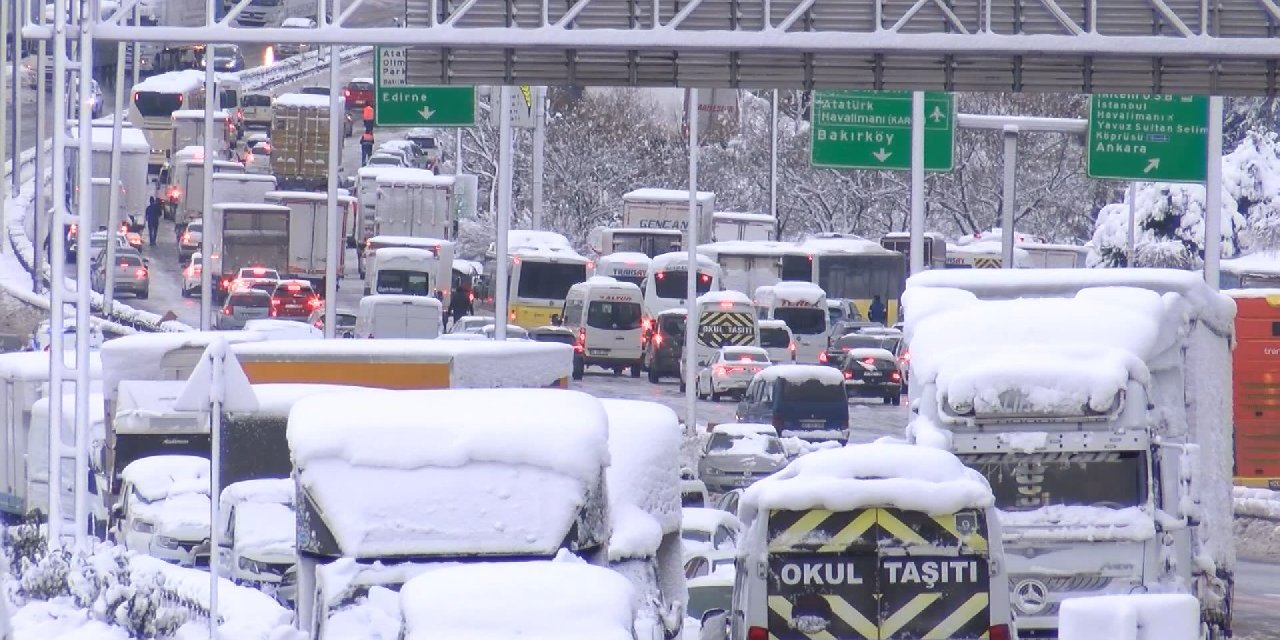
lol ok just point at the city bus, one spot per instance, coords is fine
(935, 247)
(543, 265)
(850, 268)
(152, 105)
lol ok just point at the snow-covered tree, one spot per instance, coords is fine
(1168, 228)
(1251, 173)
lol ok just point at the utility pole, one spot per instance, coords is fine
(539, 151)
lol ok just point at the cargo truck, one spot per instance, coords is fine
(415, 202)
(309, 233)
(300, 141)
(1097, 405)
(134, 154)
(188, 131)
(1255, 375)
(246, 235)
(654, 221)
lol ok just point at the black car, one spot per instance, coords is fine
(834, 355)
(872, 373)
(664, 344)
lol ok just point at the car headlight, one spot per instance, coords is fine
(165, 542)
(142, 526)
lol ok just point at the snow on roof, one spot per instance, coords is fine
(553, 254)
(609, 282)
(197, 114)
(297, 23)
(517, 238)
(34, 365)
(665, 195)
(559, 600)
(743, 429)
(276, 399)
(836, 244)
(737, 216)
(172, 82)
(679, 260)
(730, 296)
(155, 476)
(259, 177)
(408, 241)
(984, 248)
(277, 490)
(1260, 262)
(468, 266)
(406, 253)
(644, 473)
(870, 352)
(803, 372)
(409, 176)
(907, 477)
(796, 290)
(373, 172)
(623, 258)
(995, 234)
(131, 139)
(773, 324)
(275, 329)
(369, 302)
(747, 248)
(755, 351)
(706, 519)
(266, 530)
(302, 101)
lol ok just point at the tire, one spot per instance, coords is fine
(142, 295)
(653, 375)
(682, 387)
(186, 293)
(897, 401)
(888, 400)
(715, 397)
(635, 370)
(579, 370)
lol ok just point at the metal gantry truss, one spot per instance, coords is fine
(1145, 46)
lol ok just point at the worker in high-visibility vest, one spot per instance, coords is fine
(368, 118)
(366, 147)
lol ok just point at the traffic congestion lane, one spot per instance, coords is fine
(1257, 599)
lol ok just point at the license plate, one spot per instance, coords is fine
(873, 374)
(598, 352)
(813, 423)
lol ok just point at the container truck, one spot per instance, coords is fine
(1097, 405)
(300, 141)
(309, 233)
(188, 131)
(242, 187)
(728, 226)
(654, 221)
(134, 189)
(184, 193)
(415, 202)
(246, 235)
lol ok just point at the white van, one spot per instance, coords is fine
(803, 306)
(725, 319)
(666, 285)
(608, 318)
(625, 266)
(397, 316)
(410, 271)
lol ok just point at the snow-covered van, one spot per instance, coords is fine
(725, 319)
(1098, 405)
(258, 531)
(385, 315)
(38, 460)
(483, 475)
(645, 508)
(803, 306)
(607, 317)
(666, 286)
(868, 541)
(164, 509)
(147, 423)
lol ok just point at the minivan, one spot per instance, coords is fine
(664, 345)
(803, 401)
(608, 318)
(384, 315)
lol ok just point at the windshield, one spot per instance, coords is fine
(807, 322)
(257, 100)
(835, 314)
(813, 391)
(672, 325)
(675, 284)
(228, 99)
(1022, 482)
(617, 316)
(412, 283)
(226, 51)
(248, 300)
(703, 599)
(744, 356)
(851, 277)
(746, 444)
(693, 535)
(774, 339)
(151, 104)
(855, 341)
(316, 91)
(548, 280)
(360, 86)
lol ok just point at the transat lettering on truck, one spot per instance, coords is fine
(1098, 407)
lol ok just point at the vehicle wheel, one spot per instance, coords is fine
(682, 387)
(635, 370)
(186, 293)
(897, 401)
(617, 371)
(579, 369)
(715, 397)
(888, 400)
(653, 375)
(142, 295)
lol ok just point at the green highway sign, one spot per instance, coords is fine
(872, 130)
(398, 104)
(1144, 137)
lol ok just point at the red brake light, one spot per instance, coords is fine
(74, 227)
(226, 311)
(135, 96)
(657, 339)
(646, 324)
(346, 93)
(582, 337)
(704, 277)
(186, 237)
(660, 275)
(226, 284)
(179, 98)
(999, 632)
(140, 273)
(868, 360)
(726, 304)
(848, 375)
(822, 357)
(895, 376)
(792, 347)
(721, 369)
(745, 359)
(313, 302)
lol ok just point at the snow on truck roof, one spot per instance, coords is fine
(837, 244)
(405, 253)
(1261, 262)
(140, 356)
(409, 241)
(803, 372)
(302, 101)
(679, 260)
(156, 477)
(737, 216)
(728, 296)
(539, 600)
(796, 290)
(665, 195)
(643, 476)
(747, 248)
(370, 302)
(197, 114)
(172, 82)
(406, 175)
(132, 139)
(623, 257)
(903, 476)
(34, 365)
(517, 238)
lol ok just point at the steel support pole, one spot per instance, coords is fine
(501, 284)
(206, 205)
(8, 101)
(539, 150)
(917, 184)
(83, 329)
(1130, 245)
(458, 162)
(41, 163)
(773, 160)
(18, 18)
(113, 207)
(57, 262)
(1213, 195)
(334, 244)
(217, 353)
(1009, 196)
(690, 376)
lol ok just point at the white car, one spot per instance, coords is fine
(385, 160)
(164, 509)
(259, 531)
(737, 455)
(778, 341)
(470, 324)
(260, 278)
(731, 371)
(703, 529)
(191, 275)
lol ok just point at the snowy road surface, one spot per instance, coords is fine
(1257, 604)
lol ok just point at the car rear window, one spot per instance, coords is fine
(129, 261)
(288, 291)
(563, 338)
(813, 391)
(672, 325)
(247, 300)
(255, 100)
(856, 341)
(745, 356)
(617, 316)
(360, 86)
(774, 339)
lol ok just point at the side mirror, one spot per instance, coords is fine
(715, 625)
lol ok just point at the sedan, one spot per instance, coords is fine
(731, 371)
(872, 373)
(130, 274)
(294, 299)
(737, 455)
(242, 305)
(191, 275)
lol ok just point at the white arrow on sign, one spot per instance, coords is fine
(426, 112)
(937, 114)
(1152, 164)
(882, 155)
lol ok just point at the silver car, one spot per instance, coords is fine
(242, 305)
(737, 455)
(131, 275)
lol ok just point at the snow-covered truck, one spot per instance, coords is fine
(300, 141)
(415, 202)
(246, 235)
(309, 233)
(134, 188)
(485, 475)
(654, 221)
(147, 423)
(1098, 406)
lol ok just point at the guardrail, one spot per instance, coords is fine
(124, 318)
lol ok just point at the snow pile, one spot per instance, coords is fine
(60, 620)
(245, 614)
(534, 600)
(1256, 503)
(789, 293)
(643, 476)
(1166, 616)
(797, 373)
(679, 261)
(376, 616)
(886, 475)
(265, 520)
(1067, 523)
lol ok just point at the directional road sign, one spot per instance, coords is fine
(397, 104)
(1143, 137)
(872, 130)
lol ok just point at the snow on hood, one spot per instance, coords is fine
(263, 490)
(528, 600)
(266, 530)
(864, 475)
(870, 352)
(158, 477)
(181, 513)
(1065, 523)
(644, 475)
(745, 429)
